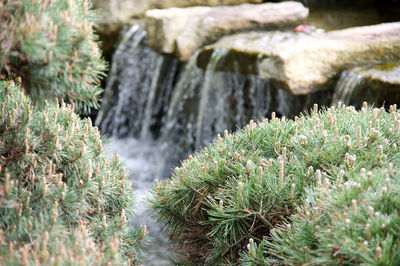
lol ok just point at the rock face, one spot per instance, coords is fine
(117, 13)
(303, 66)
(376, 84)
(244, 50)
(120, 12)
(181, 31)
(384, 74)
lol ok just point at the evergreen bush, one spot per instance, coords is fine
(61, 200)
(290, 192)
(51, 46)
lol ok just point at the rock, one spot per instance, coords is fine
(115, 14)
(377, 84)
(181, 31)
(244, 50)
(305, 65)
(385, 74)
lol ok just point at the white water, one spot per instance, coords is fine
(347, 83)
(140, 162)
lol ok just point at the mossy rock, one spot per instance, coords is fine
(223, 205)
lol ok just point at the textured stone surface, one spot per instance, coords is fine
(244, 50)
(181, 31)
(388, 74)
(303, 66)
(119, 12)
(114, 14)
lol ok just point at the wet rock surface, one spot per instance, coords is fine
(305, 65)
(244, 50)
(181, 31)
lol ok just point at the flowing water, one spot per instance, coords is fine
(347, 83)
(159, 110)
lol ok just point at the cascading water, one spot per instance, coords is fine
(159, 110)
(348, 82)
(138, 89)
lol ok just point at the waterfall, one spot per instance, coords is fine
(345, 87)
(138, 89)
(158, 110)
(180, 106)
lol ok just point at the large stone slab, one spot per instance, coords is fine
(376, 84)
(384, 74)
(305, 65)
(244, 50)
(117, 13)
(181, 31)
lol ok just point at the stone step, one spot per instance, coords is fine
(307, 64)
(244, 50)
(181, 31)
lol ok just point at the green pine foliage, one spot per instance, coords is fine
(51, 46)
(61, 200)
(321, 189)
(355, 223)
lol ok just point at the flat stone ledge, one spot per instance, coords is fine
(305, 65)
(244, 50)
(181, 31)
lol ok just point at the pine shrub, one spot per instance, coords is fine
(51, 46)
(290, 192)
(61, 200)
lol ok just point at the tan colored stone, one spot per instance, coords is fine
(245, 49)
(115, 13)
(383, 74)
(181, 31)
(303, 66)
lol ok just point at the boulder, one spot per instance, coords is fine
(376, 84)
(244, 50)
(305, 65)
(384, 74)
(181, 31)
(117, 13)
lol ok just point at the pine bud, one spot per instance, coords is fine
(384, 191)
(251, 247)
(236, 156)
(240, 192)
(318, 177)
(10, 249)
(390, 132)
(378, 253)
(310, 171)
(365, 106)
(248, 166)
(123, 217)
(260, 174)
(355, 207)
(278, 146)
(55, 213)
(281, 172)
(292, 189)
(315, 109)
(226, 133)
(375, 112)
(219, 138)
(284, 151)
